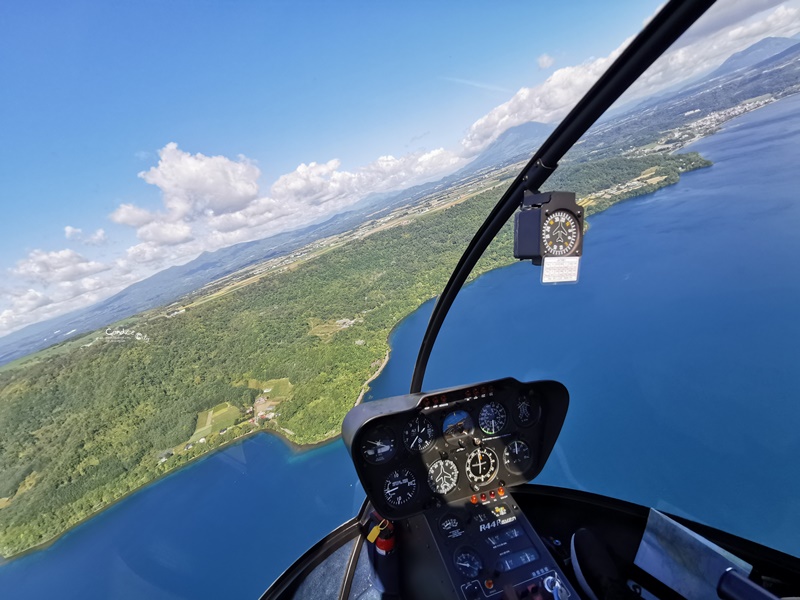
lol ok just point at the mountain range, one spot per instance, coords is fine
(756, 70)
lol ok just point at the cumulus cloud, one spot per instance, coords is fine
(721, 32)
(726, 28)
(76, 234)
(547, 102)
(133, 216)
(195, 183)
(209, 202)
(320, 183)
(97, 238)
(60, 265)
(545, 61)
(165, 233)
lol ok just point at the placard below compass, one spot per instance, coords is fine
(560, 269)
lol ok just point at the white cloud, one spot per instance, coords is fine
(165, 233)
(209, 202)
(133, 216)
(476, 84)
(547, 102)
(726, 28)
(545, 61)
(96, 239)
(721, 32)
(193, 184)
(60, 265)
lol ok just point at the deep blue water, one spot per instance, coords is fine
(678, 346)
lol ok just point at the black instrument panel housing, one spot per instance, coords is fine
(550, 399)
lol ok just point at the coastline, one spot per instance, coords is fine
(293, 446)
(375, 375)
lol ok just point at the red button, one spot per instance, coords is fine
(483, 497)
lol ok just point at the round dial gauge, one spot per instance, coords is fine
(527, 411)
(517, 457)
(481, 465)
(399, 487)
(379, 445)
(418, 434)
(560, 233)
(443, 476)
(468, 563)
(492, 418)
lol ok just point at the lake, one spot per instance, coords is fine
(678, 346)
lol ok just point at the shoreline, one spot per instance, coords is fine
(293, 446)
(375, 375)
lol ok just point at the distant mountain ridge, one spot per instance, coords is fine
(760, 51)
(515, 144)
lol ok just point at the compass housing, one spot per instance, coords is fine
(549, 224)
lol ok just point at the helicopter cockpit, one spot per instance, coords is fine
(449, 510)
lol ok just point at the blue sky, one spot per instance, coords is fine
(92, 92)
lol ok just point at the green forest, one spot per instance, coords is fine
(80, 429)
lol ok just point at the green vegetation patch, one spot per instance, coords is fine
(95, 423)
(279, 389)
(221, 417)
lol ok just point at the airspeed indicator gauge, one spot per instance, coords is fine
(560, 233)
(492, 418)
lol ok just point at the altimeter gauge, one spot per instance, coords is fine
(560, 233)
(481, 465)
(418, 434)
(492, 418)
(517, 457)
(443, 476)
(379, 445)
(399, 487)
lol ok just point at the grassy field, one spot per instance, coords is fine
(222, 416)
(279, 389)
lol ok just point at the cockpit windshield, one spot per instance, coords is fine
(226, 225)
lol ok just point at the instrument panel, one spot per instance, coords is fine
(419, 451)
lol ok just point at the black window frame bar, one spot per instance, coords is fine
(656, 37)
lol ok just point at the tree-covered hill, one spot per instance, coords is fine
(80, 429)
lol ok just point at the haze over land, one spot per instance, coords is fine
(210, 201)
